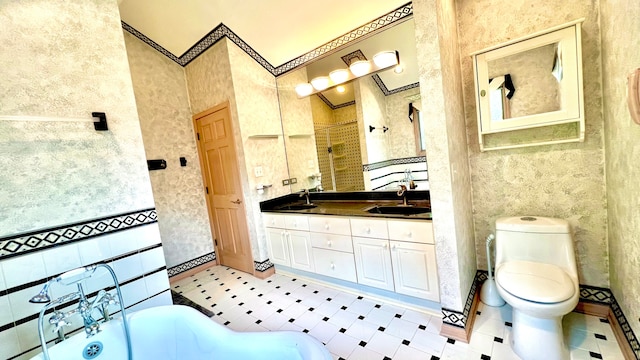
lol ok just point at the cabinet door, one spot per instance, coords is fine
(373, 262)
(414, 270)
(300, 250)
(278, 249)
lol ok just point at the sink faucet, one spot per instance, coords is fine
(305, 192)
(403, 192)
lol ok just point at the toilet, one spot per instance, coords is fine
(536, 274)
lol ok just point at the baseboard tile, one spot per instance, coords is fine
(192, 271)
(264, 274)
(459, 333)
(604, 311)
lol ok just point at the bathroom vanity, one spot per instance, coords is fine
(365, 240)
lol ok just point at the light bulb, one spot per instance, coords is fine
(340, 89)
(398, 69)
(320, 83)
(339, 76)
(385, 59)
(360, 67)
(304, 89)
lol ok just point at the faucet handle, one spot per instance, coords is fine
(58, 321)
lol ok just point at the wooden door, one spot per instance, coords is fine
(222, 187)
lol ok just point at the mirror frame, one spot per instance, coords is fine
(568, 38)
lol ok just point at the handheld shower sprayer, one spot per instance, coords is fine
(67, 278)
(489, 292)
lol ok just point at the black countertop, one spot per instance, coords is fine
(351, 203)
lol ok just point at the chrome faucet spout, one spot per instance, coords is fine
(403, 192)
(305, 193)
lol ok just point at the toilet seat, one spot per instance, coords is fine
(534, 281)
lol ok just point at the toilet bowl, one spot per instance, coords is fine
(536, 274)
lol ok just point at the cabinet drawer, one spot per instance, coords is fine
(371, 228)
(273, 220)
(335, 264)
(330, 225)
(414, 231)
(296, 222)
(331, 242)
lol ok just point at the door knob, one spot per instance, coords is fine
(238, 201)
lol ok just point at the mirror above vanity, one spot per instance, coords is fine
(529, 90)
(363, 134)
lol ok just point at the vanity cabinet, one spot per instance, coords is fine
(389, 254)
(289, 241)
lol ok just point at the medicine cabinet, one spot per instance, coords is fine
(531, 82)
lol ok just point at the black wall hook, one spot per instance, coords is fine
(101, 124)
(384, 128)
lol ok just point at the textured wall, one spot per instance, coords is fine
(402, 142)
(565, 181)
(256, 97)
(167, 130)
(67, 59)
(620, 47)
(371, 107)
(440, 89)
(298, 129)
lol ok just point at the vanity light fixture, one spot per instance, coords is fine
(304, 89)
(320, 83)
(360, 67)
(385, 59)
(339, 76)
(381, 61)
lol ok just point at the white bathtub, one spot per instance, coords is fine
(182, 333)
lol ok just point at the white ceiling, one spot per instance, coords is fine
(279, 30)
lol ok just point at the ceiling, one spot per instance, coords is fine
(279, 30)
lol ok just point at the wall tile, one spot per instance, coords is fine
(10, 345)
(61, 258)
(23, 269)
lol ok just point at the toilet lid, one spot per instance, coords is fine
(533, 281)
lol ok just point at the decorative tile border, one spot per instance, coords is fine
(262, 266)
(401, 161)
(333, 107)
(188, 265)
(388, 92)
(222, 31)
(457, 318)
(625, 326)
(21, 244)
(398, 14)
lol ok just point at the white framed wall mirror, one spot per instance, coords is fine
(531, 82)
(359, 136)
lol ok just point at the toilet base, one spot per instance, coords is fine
(535, 338)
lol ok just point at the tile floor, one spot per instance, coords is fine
(356, 327)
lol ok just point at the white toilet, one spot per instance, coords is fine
(536, 274)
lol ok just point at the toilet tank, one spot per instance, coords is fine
(535, 238)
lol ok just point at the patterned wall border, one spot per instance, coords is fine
(388, 92)
(262, 266)
(401, 161)
(21, 244)
(221, 31)
(188, 265)
(333, 107)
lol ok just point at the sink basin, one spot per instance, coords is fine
(398, 209)
(297, 207)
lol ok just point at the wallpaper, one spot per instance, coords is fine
(167, 130)
(62, 172)
(620, 46)
(440, 91)
(402, 141)
(371, 108)
(564, 181)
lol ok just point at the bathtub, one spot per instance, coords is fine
(179, 332)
